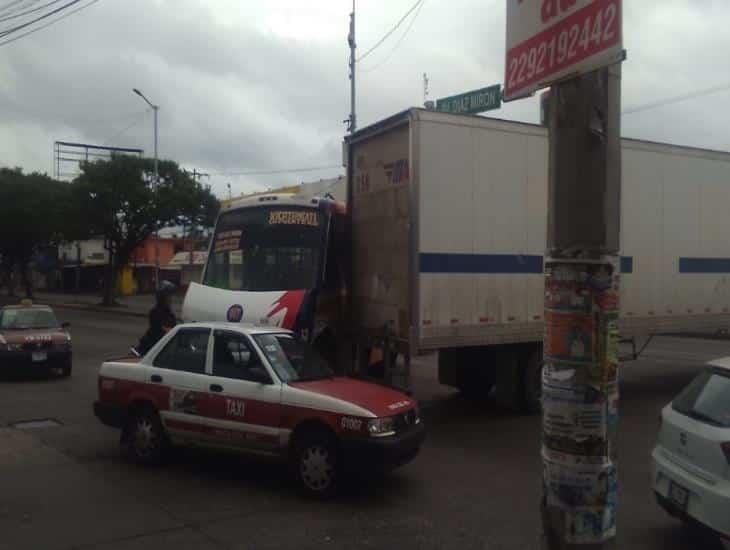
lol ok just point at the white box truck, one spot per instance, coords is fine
(449, 216)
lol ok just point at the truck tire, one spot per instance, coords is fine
(470, 370)
(143, 438)
(316, 463)
(532, 380)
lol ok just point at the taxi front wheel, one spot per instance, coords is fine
(143, 438)
(316, 464)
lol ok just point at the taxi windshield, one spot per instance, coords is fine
(292, 359)
(18, 319)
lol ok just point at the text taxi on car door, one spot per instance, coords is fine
(32, 340)
(256, 390)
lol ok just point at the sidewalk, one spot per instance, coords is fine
(135, 306)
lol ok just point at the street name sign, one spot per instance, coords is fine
(476, 101)
(550, 40)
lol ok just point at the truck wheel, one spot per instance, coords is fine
(532, 381)
(143, 438)
(316, 464)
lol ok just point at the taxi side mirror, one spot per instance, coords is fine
(259, 374)
(65, 324)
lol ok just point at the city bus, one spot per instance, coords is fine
(276, 260)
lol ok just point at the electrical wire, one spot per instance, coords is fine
(139, 117)
(391, 31)
(675, 99)
(276, 171)
(39, 18)
(46, 25)
(397, 44)
(27, 12)
(11, 7)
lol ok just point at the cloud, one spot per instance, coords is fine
(246, 85)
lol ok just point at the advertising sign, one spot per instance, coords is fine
(549, 40)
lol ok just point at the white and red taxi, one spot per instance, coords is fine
(256, 390)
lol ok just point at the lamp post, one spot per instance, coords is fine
(155, 108)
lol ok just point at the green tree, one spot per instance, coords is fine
(32, 216)
(120, 200)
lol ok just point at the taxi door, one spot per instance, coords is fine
(244, 400)
(179, 372)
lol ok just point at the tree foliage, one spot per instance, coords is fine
(120, 200)
(32, 216)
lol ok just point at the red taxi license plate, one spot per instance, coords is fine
(678, 495)
(39, 356)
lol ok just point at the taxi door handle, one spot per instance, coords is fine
(216, 388)
(156, 378)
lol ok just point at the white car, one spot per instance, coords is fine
(691, 474)
(261, 391)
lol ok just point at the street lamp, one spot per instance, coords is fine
(155, 108)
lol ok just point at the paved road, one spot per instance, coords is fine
(475, 485)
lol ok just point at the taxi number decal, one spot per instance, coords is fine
(351, 423)
(234, 408)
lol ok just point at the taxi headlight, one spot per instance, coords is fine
(381, 427)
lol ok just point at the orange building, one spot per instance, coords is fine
(156, 251)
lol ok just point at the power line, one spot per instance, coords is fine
(391, 31)
(40, 18)
(137, 119)
(11, 7)
(277, 171)
(675, 99)
(400, 40)
(21, 14)
(46, 25)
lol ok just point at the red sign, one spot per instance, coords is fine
(549, 40)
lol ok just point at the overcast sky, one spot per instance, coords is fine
(248, 85)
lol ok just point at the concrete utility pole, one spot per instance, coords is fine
(352, 120)
(580, 376)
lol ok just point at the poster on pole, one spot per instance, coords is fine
(550, 40)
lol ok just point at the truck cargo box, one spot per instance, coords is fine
(449, 218)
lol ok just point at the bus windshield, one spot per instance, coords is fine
(265, 248)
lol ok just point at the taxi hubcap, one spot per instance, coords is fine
(316, 468)
(145, 438)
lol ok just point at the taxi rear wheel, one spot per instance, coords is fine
(143, 438)
(316, 464)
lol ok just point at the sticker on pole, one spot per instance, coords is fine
(549, 40)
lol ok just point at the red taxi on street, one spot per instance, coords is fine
(32, 340)
(256, 390)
